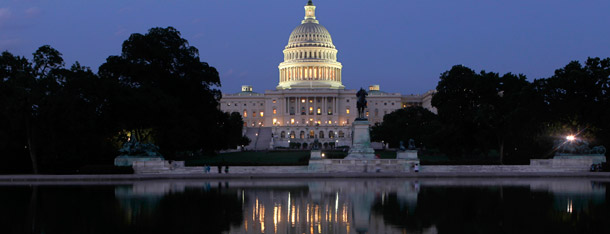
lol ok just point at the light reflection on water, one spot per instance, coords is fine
(308, 206)
(384, 205)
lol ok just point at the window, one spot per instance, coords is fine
(347, 110)
(244, 104)
(331, 134)
(274, 121)
(261, 104)
(385, 103)
(291, 121)
(311, 134)
(347, 100)
(330, 122)
(253, 113)
(310, 110)
(245, 113)
(367, 113)
(341, 134)
(319, 111)
(292, 135)
(283, 135)
(330, 111)
(321, 134)
(302, 135)
(302, 110)
(228, 104)
(262, 114)
(274, 101)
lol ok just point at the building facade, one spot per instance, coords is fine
(310, 100)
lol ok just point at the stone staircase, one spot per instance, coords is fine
(260, 137)
(264, 138)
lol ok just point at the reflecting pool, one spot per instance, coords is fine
(309, 206)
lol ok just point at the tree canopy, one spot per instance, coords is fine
(483, 113)
(57, 119)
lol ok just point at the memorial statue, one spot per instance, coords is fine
(402, 146)
(361, 103)
(315, 144)
(411, 144)
(134, 150)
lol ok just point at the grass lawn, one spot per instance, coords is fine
(301, 158)
(251, 158)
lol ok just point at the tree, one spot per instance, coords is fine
(165, 87)
(403, 124)
(485, 111)
(577, 100)
(17, 84)
(456, 102)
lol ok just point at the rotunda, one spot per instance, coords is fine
(310, 58)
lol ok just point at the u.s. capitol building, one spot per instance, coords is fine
(310, 100)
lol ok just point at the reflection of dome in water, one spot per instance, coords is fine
(310, 58)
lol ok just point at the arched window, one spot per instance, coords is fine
(302, 135)
(283, 135)
(311, 134)
(331, 134)
(245, 113)
(292, 135)
(341, 134)
(321, 135)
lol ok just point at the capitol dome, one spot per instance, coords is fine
(310, 58)
(310, 34)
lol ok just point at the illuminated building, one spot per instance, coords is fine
(310, 100)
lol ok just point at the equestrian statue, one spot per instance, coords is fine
(361, 104)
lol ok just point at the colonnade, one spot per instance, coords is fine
(327, 105)
(310, 73)
(320, 54)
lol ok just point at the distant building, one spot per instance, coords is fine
(310, 100)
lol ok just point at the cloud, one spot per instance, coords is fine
(124, 10)
(121, 31)
(229, 73)
(5, 13)
(9, 43)
(198, 35)
(32, 12)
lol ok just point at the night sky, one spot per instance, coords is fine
(402, 45)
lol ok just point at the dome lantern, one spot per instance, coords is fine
(310, 13)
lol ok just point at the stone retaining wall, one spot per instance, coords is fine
(376, 165)
(536, 165)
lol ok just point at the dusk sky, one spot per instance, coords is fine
(402, 45)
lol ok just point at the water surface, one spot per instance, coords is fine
(309, 206)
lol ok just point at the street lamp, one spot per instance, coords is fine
(570, 137)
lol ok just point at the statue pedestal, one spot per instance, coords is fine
(407, 154)
(361, 141)
(127, 160)
(315, 155)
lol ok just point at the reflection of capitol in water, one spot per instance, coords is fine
(320, 207)
(363, 205)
